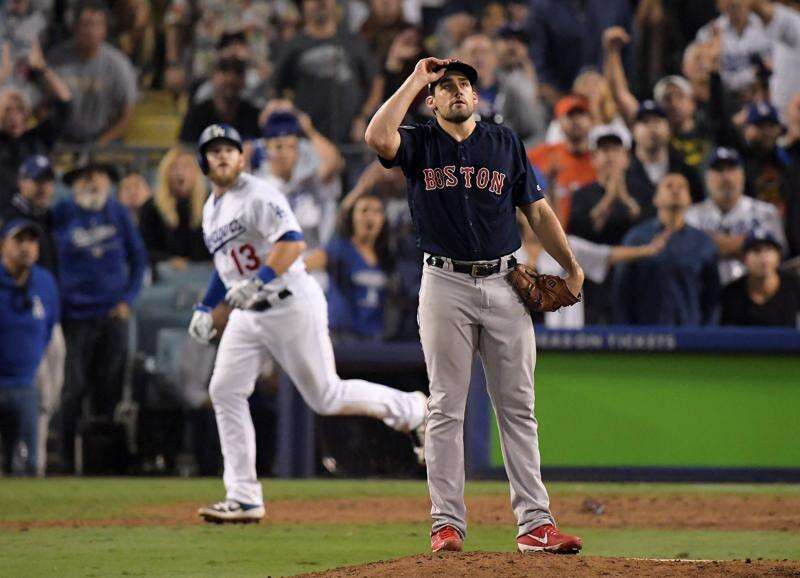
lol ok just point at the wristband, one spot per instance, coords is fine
(203, 308)
(267, 274)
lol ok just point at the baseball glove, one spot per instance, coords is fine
(540, 292)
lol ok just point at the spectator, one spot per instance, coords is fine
(684, 127)
(101, 78)
(509, 99)
(102, 262)
(133, 193)
(729, 216)
(384, 23)
(680, 285)
(234, 46)
(36, 186)
(33, 202)
(20, 136)
(653, 157)
(28, 311)
(791, 139)
(566, 38)
(305, 166)
(226, 105)
(22, 27)
(603, 211)
(744, 42)
(764, 296)
(329, 74)
(171, 223)
(690, 134)
(194, 30)
(595, 259)
(404, 52)
(567, 165)
(135, 35)
(783, 28)
(358, 264)
(765, 163)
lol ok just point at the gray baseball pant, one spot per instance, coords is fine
(458, 316)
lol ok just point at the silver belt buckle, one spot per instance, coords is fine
(481, 270)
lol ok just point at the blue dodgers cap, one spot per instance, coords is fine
(758, 237)
(762, 113)
(649, 108)
(281, 123)
(37, 167)
(724, 156)
(12, 227)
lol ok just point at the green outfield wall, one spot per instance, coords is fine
(666, 410)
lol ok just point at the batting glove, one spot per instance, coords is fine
(201, 328)
(242, 294)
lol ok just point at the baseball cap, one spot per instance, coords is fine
(724, 156)
(608, 134)
(281, 123)
(12, 227)
(649, 108)
(37, 167)
(460, 67)
(570, 103)
(762, 113)
(672, 80)
(758, 237)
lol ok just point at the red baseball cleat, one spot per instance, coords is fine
(446, 539)
(547, 538)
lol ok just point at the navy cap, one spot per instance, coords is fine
(649, 108)
(460, 67)
(759, 237)
(762, 113)
(724, 156)
(91, 166)
(36, 167)
(281, 123)
(14, 226)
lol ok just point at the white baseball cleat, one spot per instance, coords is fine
(418, 433)
(232, 512)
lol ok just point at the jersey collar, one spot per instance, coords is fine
(478, 126)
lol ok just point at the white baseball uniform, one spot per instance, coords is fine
(746, 216)
(240, 229)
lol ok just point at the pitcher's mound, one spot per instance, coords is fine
(507, 565)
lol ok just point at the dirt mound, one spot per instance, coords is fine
(662, 511)
(502, 565)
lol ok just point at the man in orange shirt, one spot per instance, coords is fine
(567, 165)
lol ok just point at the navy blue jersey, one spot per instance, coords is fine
(462, 195)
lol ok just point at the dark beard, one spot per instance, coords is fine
(224, 182)
(457, 117)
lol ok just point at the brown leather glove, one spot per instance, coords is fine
(540, 292)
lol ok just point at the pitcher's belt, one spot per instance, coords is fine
(266, 304)
(472, 268)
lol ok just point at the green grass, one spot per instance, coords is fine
(273, 549)
(679, 410)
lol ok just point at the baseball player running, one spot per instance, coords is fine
(280, 311)
(465, 179)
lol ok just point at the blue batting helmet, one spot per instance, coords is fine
(213, 133)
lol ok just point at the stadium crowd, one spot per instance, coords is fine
(666, 134)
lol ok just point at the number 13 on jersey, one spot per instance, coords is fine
(245, 258)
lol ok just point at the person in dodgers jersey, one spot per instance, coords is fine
(279, 311)
(465, 180)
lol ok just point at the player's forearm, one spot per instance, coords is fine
(545, 224)
(382, 133)
(283, 254)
